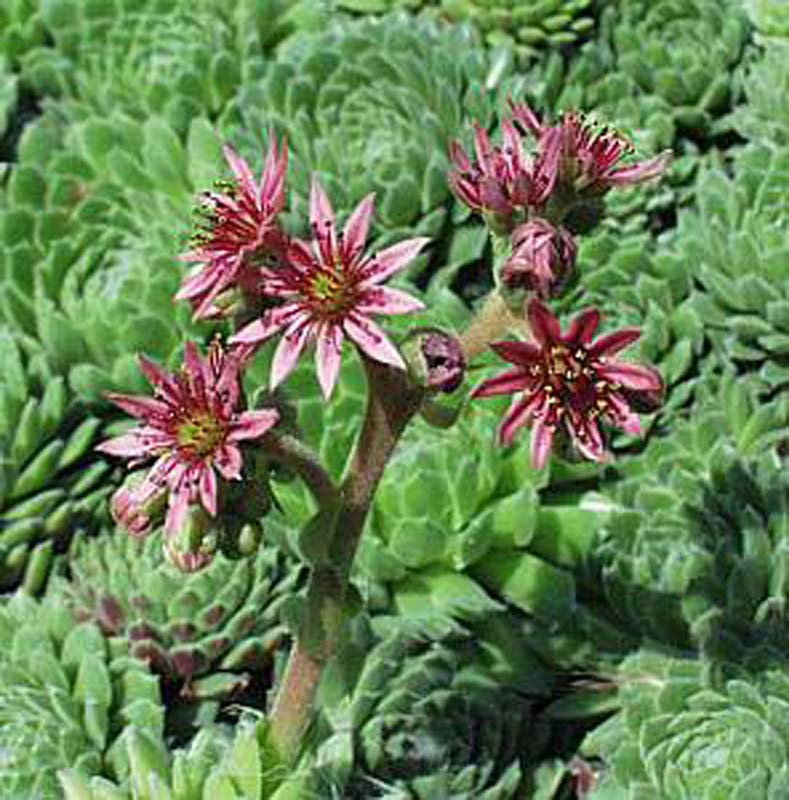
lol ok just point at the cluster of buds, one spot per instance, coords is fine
(528, 197)
(564, 384)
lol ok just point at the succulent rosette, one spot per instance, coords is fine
(567, 382)
(239, 231)
(329, 289)
(192, 427)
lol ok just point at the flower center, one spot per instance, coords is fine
(201, 434)
(331, 292)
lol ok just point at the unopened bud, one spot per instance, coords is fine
(541, 260)
(435, 359)
(138, 505)
(249, 538)
(193, 545)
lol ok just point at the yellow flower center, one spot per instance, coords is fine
(201, 434)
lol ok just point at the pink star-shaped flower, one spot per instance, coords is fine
(329, 289)
(192, 427)
(240, 229)
(566, 382)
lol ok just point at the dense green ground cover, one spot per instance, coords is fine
(611, 632)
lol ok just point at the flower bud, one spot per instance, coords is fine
(541, 260)
(138, 505)
(435, 359)
(193, 545)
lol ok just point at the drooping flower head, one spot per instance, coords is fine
(541, 259)
(566, 383)
(192, 427)
(329, 289)
(587, 158)
(501, 181)
(239, 231)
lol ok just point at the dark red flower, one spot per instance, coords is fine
(585, 157)
(568, 383)
(500, 180)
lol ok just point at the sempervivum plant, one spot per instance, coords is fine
(528, 27)
(98, 206)
(693, 545)
(208, 634)
(682, 51)
(685, 730)
(739, 241)
(771, 18)
(434, 713)
(370, 105)
(763, 117)
(144, 57)
(66, 697)
(50, 481)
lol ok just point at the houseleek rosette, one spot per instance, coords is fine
(209, 635)
(51, 484)
(369, 106)
(66, 697)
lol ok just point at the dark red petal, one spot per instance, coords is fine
(544, 326)
(582, 328)
(522, 353)
(612, 343)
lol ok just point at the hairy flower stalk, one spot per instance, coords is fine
(193, 428)
(239, 232)
(566, 384)
(329, 289)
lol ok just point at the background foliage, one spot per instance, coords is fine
(533, 630)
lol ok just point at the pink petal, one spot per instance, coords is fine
(138, 405)
(272, 321)
(288, 351)
(272, 181)
(519, 414)
(372, 340)
(588, 440)
(522, 353)
(127, 445)
(521, 112)
(240, 169)
(631, 376)
(177, 507)
(481, 145)
(208, 489)
(515, 380)
(327, 357)
(252, 424)
(387, 262)
(541, 443)
(637, 173)
(228, 461)
(195, 285)
(322, 221)
(612, 343)
(383, 300)
(582, 328)
(355, 232)
(544, 326)
(458, 157)
(160, 379)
